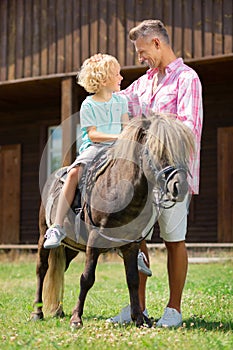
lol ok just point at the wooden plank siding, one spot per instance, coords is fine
(204, 225)
(10, 163)
(44, 42)
(25, 121)
(21, 127)
(44, 37)
(225, 188)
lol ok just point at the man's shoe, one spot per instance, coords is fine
(142, 267)
(124, 316)
(54, 235)
(170, 318)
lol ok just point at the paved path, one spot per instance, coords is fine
(204, 260)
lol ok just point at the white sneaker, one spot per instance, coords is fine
(142, 267)
(170, 318)
(54, 235)
(124, 316)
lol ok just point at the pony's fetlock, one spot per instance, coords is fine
(59, 312)
(36, 316)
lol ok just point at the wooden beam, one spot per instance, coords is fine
(68, 121)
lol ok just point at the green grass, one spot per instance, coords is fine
(207, 308)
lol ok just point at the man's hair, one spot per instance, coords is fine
(149, 28)
(94, 73)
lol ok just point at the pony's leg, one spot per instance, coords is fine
(41, 270)
(70, 255)
(50, 268)
(87, 280)
(130, 254)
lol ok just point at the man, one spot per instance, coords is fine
(169, 86)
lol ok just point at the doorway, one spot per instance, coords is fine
(10, 169)
(225, 184)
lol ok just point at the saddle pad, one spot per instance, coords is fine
(87, 181)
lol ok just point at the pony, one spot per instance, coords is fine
(145, 171)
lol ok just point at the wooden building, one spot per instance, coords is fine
(42, 45)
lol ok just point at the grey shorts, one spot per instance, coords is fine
(86, 156)
(172, 222)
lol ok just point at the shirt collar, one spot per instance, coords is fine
(170, 67)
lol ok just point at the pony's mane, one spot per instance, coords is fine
(167, 139)
(170, 141)
(130, 140)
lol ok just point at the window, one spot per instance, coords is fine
(54, 148)
(54, 153)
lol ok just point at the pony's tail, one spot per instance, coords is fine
(53, 287)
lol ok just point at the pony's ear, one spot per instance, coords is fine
(145, 122)
(141, 133)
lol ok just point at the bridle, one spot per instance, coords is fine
(161, 179)
(161, 198)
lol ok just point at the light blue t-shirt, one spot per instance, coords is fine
(105, 116)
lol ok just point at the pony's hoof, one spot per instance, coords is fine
(76, 325)
(36, 316)
(59, 313)
(147, 322)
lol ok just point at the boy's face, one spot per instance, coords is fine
(113, 83)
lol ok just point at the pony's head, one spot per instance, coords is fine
(163, 146)
(169, 148)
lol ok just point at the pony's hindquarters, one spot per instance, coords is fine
(53, 287)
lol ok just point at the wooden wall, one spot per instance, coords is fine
(26, 124)
(27, 133)
(43, 37)
(217, 82)
(47, 39)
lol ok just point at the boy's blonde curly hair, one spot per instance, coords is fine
(94, 72)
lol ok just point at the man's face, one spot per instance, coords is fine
(148, 51)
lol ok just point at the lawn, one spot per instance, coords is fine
(207, 308)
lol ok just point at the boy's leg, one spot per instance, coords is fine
(55, 234)
(67, 195)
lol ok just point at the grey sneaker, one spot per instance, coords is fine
(170, 318)
(124, 316)
(142, 267)
(54, 235)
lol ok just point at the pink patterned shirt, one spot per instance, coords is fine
(179, 93)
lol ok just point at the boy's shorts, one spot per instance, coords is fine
(87, 156)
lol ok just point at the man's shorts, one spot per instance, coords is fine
(172, 222)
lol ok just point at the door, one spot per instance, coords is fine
(225, 185)
(10, 160)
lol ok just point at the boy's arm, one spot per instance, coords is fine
(98, 136)
(124, 120)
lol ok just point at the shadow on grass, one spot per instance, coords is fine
(189, 324)
(200, 323)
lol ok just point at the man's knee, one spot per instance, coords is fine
(171, 246)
